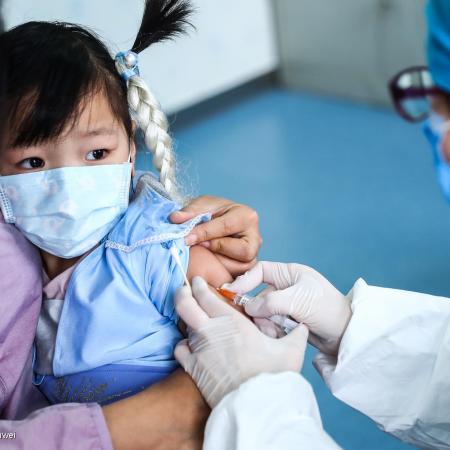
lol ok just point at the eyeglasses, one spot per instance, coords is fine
(411, 90)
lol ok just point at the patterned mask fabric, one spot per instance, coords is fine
(66, 211)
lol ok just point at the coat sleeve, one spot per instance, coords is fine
(270, 411)
(394, 363)
(66, 427)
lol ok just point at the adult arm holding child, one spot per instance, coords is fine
(232, 234)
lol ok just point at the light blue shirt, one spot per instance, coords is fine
(118, 307)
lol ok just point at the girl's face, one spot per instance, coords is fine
(96, 138)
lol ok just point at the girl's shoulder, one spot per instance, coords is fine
(146, 220)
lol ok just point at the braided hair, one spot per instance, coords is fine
(162, 20)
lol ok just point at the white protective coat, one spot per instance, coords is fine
(393, 365)
(270, 411)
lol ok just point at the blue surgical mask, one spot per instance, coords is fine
(435, 129)
(66, 211)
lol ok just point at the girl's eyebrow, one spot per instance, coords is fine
(101, 131)
(98, 132)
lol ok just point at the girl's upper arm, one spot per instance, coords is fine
(204, 263)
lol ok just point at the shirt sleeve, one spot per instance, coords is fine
(394, 363)
(270, 411)
(62, 427)
(66, 427)
(20, 302)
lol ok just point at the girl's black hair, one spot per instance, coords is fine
(54, 68)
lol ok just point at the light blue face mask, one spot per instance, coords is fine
(435, 129)
(66, 211)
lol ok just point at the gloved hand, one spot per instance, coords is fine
(224, 348)
(302, 293)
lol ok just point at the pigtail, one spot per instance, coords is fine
(162, 20)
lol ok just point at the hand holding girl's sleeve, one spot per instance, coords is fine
(232, 234)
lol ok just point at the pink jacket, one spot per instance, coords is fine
(26, 420)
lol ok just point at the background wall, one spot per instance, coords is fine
(349, 48)
(234, 42)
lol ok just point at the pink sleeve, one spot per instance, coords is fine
(66, 427)
(62, 427)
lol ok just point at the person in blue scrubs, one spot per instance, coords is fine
(422, 94)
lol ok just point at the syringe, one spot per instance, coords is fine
(286, 324)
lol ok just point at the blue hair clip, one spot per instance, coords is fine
(129, 60)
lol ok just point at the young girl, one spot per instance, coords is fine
(107, 327)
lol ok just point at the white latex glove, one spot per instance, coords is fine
(224, 348)
(302, 293)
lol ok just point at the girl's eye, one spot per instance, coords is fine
(32, 163)
(95, 155)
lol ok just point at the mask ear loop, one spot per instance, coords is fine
(132, 187)
(129, 151)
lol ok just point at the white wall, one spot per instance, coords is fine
(349, 48)
(234, 42)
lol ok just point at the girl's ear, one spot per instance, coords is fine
(133, 150)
